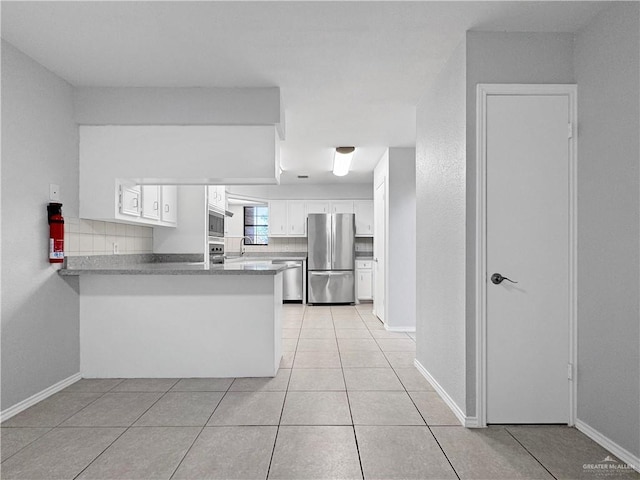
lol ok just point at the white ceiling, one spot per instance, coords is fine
(350, 73)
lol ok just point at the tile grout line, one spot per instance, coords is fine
(201, 430)
(443, 452)
(275, 440)
(532, 455)
(126, 429)
(427, 425)
(30, 443)
(353, 425)
(67, 418)
(419, 413)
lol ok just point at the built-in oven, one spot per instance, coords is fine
(216, 226)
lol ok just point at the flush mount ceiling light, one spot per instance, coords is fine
(342, 160)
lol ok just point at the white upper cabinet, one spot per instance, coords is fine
(129, 200)
(288, 218)
(278, 218)
(216, 197)
(364, 217)
(131, 203)
(342, 206)
(297, 219)
(151, 202)
(212, 195)
(169, 213)
(318, 206)
(222, 197)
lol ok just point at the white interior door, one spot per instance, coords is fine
(379, 226)
(527, 165)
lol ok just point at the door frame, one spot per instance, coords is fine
(385, 251)
(482, 91)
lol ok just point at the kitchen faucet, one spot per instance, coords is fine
(242, 244)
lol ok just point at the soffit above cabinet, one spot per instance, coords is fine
(179, 106)
(177, 155)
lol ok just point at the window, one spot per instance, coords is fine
(256, 225)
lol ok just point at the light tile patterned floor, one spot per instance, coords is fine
(347, 403)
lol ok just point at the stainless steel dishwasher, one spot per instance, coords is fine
(292, 280)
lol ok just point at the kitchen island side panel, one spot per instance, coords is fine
(180, 326)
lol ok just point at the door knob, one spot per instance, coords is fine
(497, 279)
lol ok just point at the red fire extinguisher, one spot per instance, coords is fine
(56, 233)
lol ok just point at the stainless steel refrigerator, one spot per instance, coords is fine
(331, 263)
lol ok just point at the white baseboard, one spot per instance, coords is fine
(469, 422)
(38, 397)
(623, 454)
(399, 329)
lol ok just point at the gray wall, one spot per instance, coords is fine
(603, 59)
(607, 70)
(190, 235)
(401, 306)
(440, 227)
(40, 318)
(446, 181)
(177, 106)
(494, 57)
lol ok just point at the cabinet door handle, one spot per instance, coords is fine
(155, 205)
(135, 202)
(166, 207)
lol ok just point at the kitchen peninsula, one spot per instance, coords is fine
(157, 317)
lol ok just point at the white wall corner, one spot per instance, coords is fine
(470, 422)
(623, 454)
(38, 397)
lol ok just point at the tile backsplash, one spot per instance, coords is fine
(364, 244)
(94, 237)
(232, 245)
(291, 244)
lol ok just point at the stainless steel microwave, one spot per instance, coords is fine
(216, 224)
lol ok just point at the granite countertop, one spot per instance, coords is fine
(298, 256)
(150, 264)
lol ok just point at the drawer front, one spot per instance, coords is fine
(364, 264)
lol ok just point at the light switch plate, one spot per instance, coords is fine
(54, 192)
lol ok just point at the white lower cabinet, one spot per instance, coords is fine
(364, 280)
